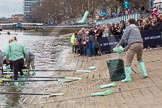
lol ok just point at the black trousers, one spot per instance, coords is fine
(18, 66)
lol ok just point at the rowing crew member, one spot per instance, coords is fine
(135, 46)
(31, 58)
(15, 52)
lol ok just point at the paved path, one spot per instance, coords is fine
(140, 93)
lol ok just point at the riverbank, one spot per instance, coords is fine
(140, 93)
(50, 53)
(56, 31)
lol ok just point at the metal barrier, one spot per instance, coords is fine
(151, 38)
(118, 19)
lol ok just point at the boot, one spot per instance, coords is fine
(22, 78)
(127, 74)
(119, 49)
(113, 84)
(16, 84)
(33, 73)
(105, 93)
(143, 69)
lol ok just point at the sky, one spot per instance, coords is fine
(10, 7)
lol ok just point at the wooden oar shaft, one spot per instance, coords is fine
(49, 70)
(19, 93)
(27, 80)
(43, 77)
(37, 77)
(44, 70)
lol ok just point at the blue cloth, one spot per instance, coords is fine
(90, 48)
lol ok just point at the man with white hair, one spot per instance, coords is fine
(15, 52)
(135, 47)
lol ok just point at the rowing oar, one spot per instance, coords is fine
(63, 80)
(11, 76)
(1, 81)
(44, 94)
(77, 71)
(50, 70)
(61, 77)
(45, 70)
(84, 71)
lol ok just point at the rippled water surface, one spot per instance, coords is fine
(50, 53)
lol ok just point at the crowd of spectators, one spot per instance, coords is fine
(126, 11)
(86, 40)
(150, 22)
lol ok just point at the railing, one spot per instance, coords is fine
(118, 19)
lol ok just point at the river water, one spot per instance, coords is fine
(50, 53)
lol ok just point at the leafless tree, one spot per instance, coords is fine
(59, 10)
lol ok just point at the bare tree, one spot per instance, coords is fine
(60, 10)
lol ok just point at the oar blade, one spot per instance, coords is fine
(73, 78)
(83, 71)
(91, 68)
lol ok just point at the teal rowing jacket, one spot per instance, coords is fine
(15, 51)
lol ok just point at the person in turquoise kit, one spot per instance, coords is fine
(15, 52)
(135, 47)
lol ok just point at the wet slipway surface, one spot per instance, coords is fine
(50, 53)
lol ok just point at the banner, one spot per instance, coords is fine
(106, 44)
(151, 38)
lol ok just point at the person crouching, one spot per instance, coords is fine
(15, 52)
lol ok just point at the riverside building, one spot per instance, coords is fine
(28, 6)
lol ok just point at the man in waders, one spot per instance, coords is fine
(30, 60)
(135, 46)
(15, 52)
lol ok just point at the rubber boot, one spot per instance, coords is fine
(113, 84)
(22, 78)
(127, 75)
(119, 49)
(143, 69)
(16, 84)
(105, 93)
(33, 73)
